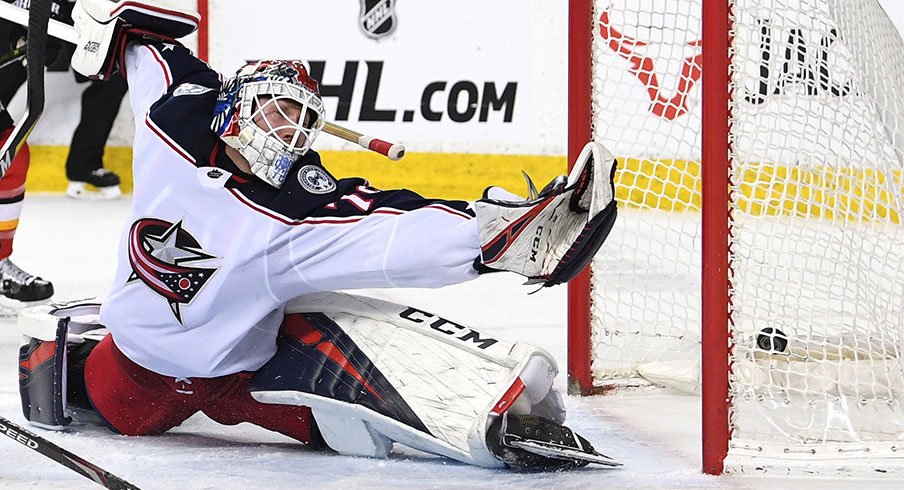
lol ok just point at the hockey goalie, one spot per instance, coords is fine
(224, 297)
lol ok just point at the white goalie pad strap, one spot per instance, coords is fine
(40, 322)
(453, 378)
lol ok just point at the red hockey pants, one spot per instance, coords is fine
(136, 401)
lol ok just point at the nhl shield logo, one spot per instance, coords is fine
(377, 18)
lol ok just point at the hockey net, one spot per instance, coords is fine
(815, 305)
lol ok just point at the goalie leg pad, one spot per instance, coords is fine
(42, 376)
(375, 372)
(550, 238)
(56, 340)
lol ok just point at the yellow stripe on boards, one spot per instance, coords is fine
(446, 175)
(47, 169)
(824, 193)
(813, 192)
(437, 175)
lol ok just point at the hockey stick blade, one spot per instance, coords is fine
(75, 463)
(38, 20)
(556, 451)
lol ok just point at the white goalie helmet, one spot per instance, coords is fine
(271, 112)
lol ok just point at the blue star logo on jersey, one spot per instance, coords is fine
(159, 252)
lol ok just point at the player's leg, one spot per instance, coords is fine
(84, 164)
(375, 372)
(16, 285)
(233, 404)
(131, 399)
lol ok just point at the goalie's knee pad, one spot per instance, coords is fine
(56, 342)
(550, 237)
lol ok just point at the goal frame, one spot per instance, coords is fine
(715, 219)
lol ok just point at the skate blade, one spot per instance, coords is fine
(87, 192)
(561, 452)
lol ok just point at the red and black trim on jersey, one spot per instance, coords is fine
(314, 355)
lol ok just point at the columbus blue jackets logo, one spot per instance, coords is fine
(160, 253)
(377, 18)
(315, 180)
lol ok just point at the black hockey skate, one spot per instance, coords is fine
(100, 184)
(528, 442)
(18, 285)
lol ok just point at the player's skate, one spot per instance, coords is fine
(553, 234)
(100, 184)
(18, 287)
(530, 442)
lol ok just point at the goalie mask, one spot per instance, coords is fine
(271, 112)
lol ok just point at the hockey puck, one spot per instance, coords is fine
(772, 340)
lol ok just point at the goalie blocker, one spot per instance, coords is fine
(372, 372)
(104, 26)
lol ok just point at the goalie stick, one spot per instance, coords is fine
(390, 150)
(75, 463)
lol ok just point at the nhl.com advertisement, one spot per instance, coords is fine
(441, 76)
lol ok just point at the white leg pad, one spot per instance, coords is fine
(453, 379)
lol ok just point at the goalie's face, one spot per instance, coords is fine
(270, 113)
(283, 119)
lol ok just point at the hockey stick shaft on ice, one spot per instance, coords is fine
(75, 463)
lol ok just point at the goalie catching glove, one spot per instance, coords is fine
(552, 235)
(104, 26)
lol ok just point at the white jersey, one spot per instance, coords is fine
(211, 255)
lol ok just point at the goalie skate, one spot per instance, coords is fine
(100, 184)
(530, 442)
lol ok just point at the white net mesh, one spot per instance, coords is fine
(817, 247)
